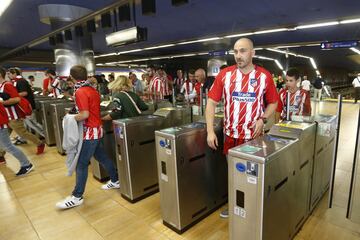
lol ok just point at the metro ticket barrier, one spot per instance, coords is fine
(263, 176)
(135, 150)
(192, 180)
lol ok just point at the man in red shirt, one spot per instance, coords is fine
(299, 98)
(87, 101)
(47, 82)
(245, 88)
(5, 143)
(156, 85)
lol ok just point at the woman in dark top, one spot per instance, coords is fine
(126, 103)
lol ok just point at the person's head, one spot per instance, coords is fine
(111, 77)
(132, 77)
(50, 73)
(304, 77)
(161, 71)
(70, 83)
(179, 73)
(102, 76)
(244, 52)
(150, 70)
(13, 72)
(200, 75)
(292, 79)
(191, 75)
(122, 83)
(31, 78)
(358, 74)
(2, 73)
(78, 72)
(145, 77)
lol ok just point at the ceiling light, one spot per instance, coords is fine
(105, 55)
(272, 30)
(288, 46)
(161, 46)
(239, 35)
(279, 64)
(4, 5)
(126, 36)
(355, 20)
(313, 63)
(130, 51)
(318, 25)
(355, 50)
(317, 72)
(199, 40)
(276, 50)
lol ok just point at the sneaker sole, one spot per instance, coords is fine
(32, 168)
(65, 207)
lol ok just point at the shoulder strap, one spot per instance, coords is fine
(136, 107)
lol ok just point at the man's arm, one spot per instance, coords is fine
(259, 124)
(82, 115)
(209, 117)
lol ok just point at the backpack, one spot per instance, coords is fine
(24, 107)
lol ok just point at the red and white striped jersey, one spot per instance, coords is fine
(157, 87)
(167, 91)
(245, 96)
(88, 99)
(187, 87)
(179, 81)
(8, 88)
(55, 84)
(299, 103)
(3, 117)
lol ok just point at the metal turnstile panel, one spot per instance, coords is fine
(305, 133)
(47, 120)
(136, 159)
(58, 112)
(192, 180)
(262, 188)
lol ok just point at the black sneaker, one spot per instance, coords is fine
(25, 170)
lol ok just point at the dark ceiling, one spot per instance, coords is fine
(199, 19)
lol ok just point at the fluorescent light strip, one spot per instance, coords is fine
(199, 40)
(130, 51)
(273, 30)
(4, 5)
(276, 50)
(161, 46)
(356, 20)
(287, 46)
(318, 25)
(239, 35)
(313, 63)
(355, 50)
(279, 64)
(105, 55)
(317, 72)
(264, 58)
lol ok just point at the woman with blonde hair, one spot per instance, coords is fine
(126, 103)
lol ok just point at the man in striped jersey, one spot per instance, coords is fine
(54, 88)
(87, 101)
(299, 98)
(250, 98)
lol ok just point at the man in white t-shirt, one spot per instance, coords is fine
(356, 84)
(305, 84)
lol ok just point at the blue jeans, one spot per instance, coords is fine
(6, 144)
(92, 148)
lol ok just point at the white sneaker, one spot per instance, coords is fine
(69, 202)
(110, 185)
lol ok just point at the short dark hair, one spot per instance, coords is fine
(293, 72)
(192, 71)
(14, 71)
(50, 71)
(78, 72)
(223, 66)
(31, 76)
(2, 72)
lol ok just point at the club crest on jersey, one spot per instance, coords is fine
(297, 99)
(244, 96)
(253, 82)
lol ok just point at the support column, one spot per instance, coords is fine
(79, 50)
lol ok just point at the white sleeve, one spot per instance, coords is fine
(193, 94)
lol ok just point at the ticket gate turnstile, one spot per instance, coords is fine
(192, 180)
(262, 185)
(47, 120)
(98, 171)
(305, 133)
(324, 154)
(58, 111)
(135, 150)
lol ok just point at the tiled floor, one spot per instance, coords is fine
(27, 204)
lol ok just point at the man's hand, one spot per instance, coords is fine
(259, 128)
(212, 140)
